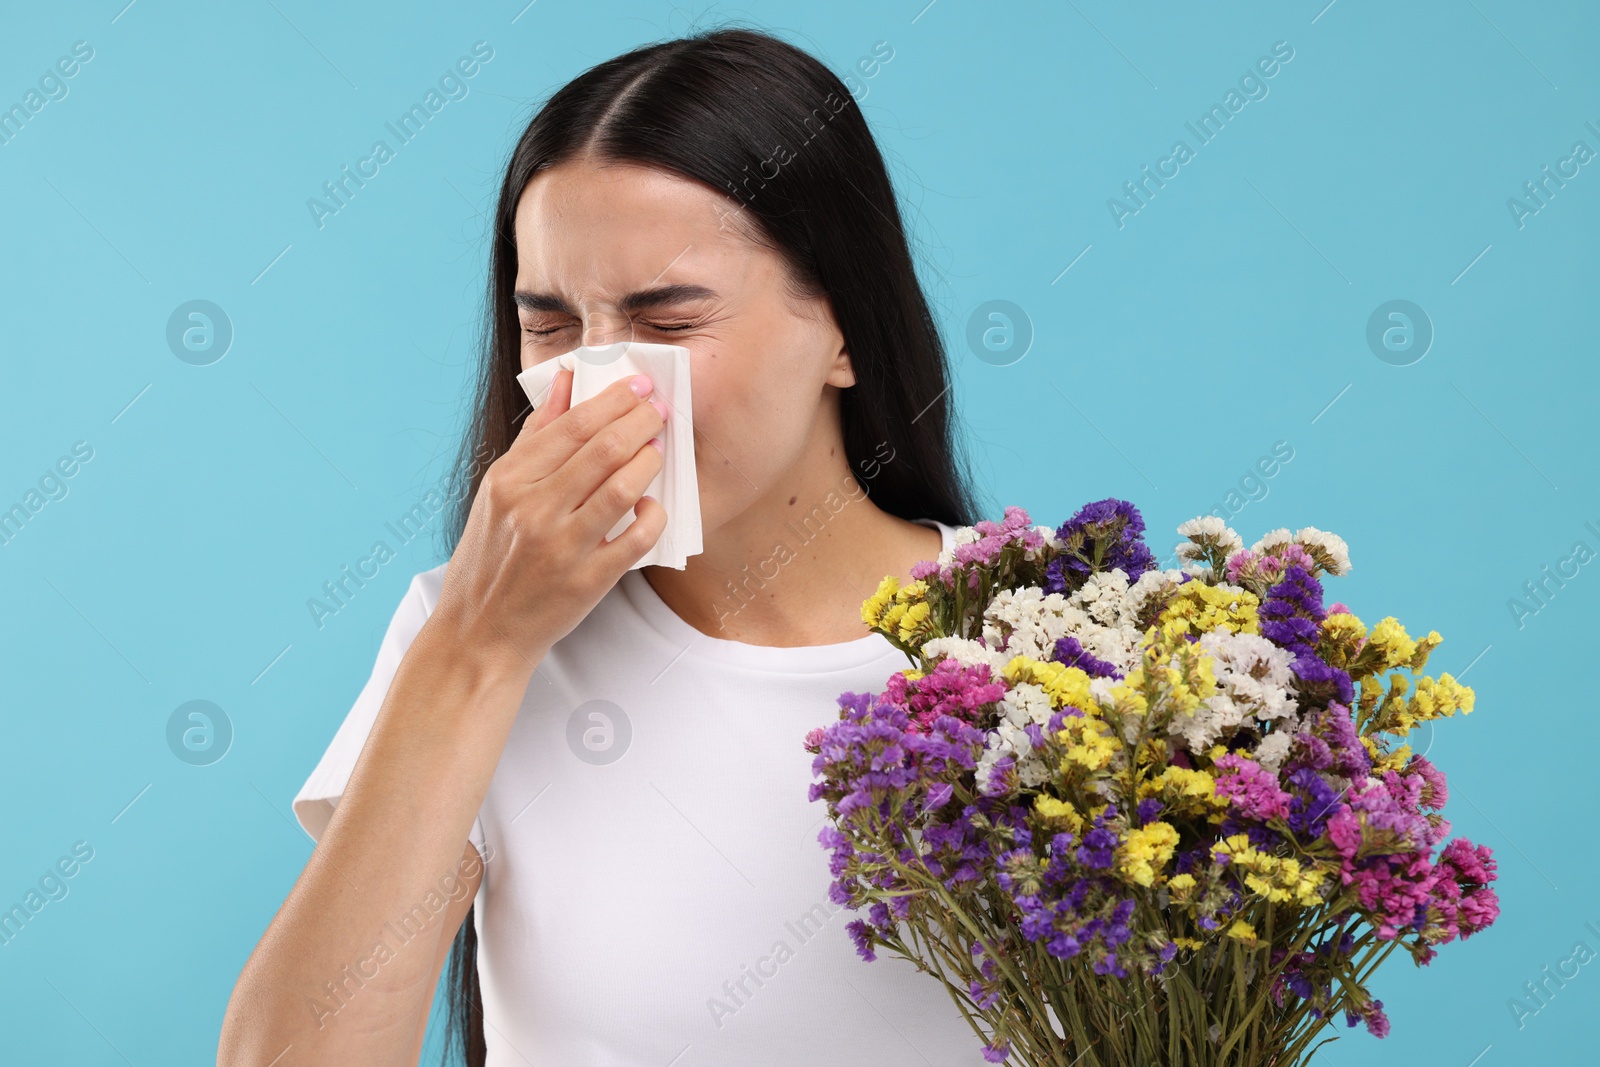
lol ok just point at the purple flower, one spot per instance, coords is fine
(1070, 653)
(1149, 808)
(861, 934)
(1097, 848)
(1313, 801)
(1101, 536)
(1373, 1015)
(1291, 617)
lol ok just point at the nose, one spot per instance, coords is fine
(603, 332)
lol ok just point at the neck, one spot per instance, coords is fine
(793, 567)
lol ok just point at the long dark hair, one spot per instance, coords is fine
(712, 106)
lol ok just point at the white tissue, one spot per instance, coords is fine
(676, 485)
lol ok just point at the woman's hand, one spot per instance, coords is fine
(532, 561)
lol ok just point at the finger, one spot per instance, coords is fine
(604, 454)
(557, 399)
(637, 538)
(618, 492)
(607, 429)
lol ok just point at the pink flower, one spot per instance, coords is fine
(1468, 864)
(1238, 562)
(1344, 830)
(1435, 791)
(948, 689)
(1253, 789)
(1478, 909)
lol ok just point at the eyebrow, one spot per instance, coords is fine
(641, 300)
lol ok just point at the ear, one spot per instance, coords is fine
(841, 374)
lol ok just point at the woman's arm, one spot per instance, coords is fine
(532, 562)
(452, 924)
(347, 969)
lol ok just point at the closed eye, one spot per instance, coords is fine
(532, 332)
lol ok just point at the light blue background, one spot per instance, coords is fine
(1228, 314)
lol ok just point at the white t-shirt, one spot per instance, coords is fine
(654, 893)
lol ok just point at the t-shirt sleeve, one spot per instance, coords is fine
(315, 802)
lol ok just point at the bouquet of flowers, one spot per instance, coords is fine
(1130, 815)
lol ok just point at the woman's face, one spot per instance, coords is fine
(629, 253)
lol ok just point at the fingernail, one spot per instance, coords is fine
(640, 384)
(661, 409)
(657, 442)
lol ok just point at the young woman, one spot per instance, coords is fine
(584, 784)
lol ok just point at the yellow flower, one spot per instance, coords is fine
(1278, 879)
(1193, 944)
(1184, 791)
(1090, 744)
(1445, 696)
(1343, 623)
(1391, 640)
(915, 616)
(1147, 850)
(1200, 608)
(1235, 845)
(1340, 643)
(1386, 760)
(912, 591)
(1242, 930)
(1065, 686)
(1174, 674)
(1181, 883)
(1425, 645)
(1127, 702)
(1056, 810)
(872, 607)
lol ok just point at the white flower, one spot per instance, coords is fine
(1206, 533)
(1206, 724)
(1270, 540)
(1025, 703)
(1025, 622)
(1326, 548)
(966, 653)
(1150, 584)
(1204, 525)
(1254, 677)
(991, 755)
(1273, 749)
(1254, 672)
(1029, 622)
(1102, 596)
(1050, 542)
